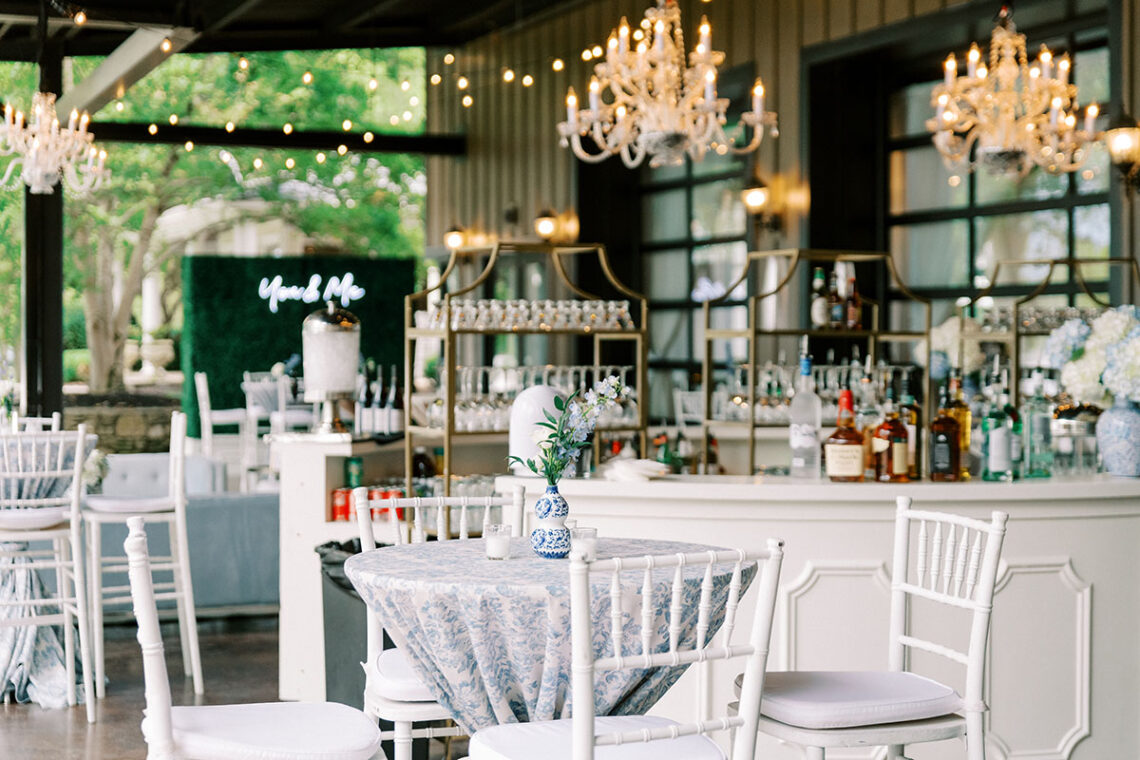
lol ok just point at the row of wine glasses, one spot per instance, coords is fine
(483, 395)
(999, 319)
(521, 314)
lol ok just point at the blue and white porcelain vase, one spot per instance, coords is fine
(1118, 438)
(551, 539)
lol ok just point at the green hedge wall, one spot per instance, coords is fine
(229, 328)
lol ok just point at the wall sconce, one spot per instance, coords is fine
(1123, 140)
(556, 228)
(454, 238)
(545, 225)
(761, 206)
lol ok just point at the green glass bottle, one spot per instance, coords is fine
(1037, 419)
(997, 462)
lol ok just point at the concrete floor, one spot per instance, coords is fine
(239, 661)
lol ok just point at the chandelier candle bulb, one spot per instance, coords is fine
(706, 33)
(659, 36)
(972, 59)
(1063, 67)
(595, 95)
(951, 69)
(623, 37)
(572, 108)
(758, 99)
(710, 87)
(1046, 60)
(1090, 118)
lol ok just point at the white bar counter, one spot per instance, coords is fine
(1064, 679)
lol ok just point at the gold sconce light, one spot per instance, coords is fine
(552, 227)
(1123, 140)
(760, 201)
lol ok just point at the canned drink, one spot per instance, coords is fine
(342, 505)
(354, 472)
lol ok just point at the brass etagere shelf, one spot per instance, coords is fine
(447, 335)
(753, 333)
(1011, 338)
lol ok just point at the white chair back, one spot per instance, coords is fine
(205, 412)
(177, 475)
(51, 424)
(689, 407)
(156, 726)
(642, 653)
(40, 470)
(954, 563)
(415, 521)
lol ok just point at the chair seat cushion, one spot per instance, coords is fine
(392, 677)
(844, 699)
(550, 740)
(126, 505)
(293, 416)
(33, 519)
(275, 731)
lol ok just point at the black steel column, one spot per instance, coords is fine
(43, 279)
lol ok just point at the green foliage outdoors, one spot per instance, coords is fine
(358, 204)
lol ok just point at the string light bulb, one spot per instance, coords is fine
(368, 137)
(413, 101)
(449, 59)
(436, 79)
(527, 80)
(405, 85)
(243, 63)
(346, 125)
(80, 18)
(407, 115)
(173, 119)
(467, 101)
(307, 78)
(287, 129)
(557, 64)
(166, 45)
(224, 156)
(341, 150)
(119, 106)
(320, 158)
(454, 237)
(394, 120)
(462, 83)
(153, 129)
(290, 163)
(258, 163)
(587, 54)
(189, 145)
(509, 76)
(230, 126)
(373, 83)
(597, 51)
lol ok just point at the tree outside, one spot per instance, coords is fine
(366, 204)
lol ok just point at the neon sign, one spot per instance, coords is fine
(343, 289)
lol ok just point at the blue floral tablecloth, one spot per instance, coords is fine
(491, 639)
(32, 665)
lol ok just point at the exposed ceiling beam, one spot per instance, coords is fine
(231, 13)
(355, 14)
(327, 140)
(250, 40)
(140, 54)
(55, 22)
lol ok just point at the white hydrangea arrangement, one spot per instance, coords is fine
(946, 339)
(1088, 374)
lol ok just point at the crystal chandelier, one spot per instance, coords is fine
(656, 105)
(1010, 114)
(46, 152)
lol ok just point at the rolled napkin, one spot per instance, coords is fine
(633, 469)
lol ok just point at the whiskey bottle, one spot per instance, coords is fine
(889, 445)
(819, 310)
(853, 310)
(867, 420)
(944, 443)
(836, 308)
(844, 449)
(910, 413)
(959, 410)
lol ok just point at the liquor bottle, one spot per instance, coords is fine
(889, 445)
(844, 448)
(819, 310)
(361, 419)
(1036, 420)
(836, 308)
(997, 463)
(683, 453)
(959, 410)
(1016, 450)
(395, 404)
(910, 413)
(373, 412)
(853, 309)
(867, 419)
(805, 417)
(945, 440)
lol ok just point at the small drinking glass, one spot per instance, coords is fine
(585, 540)
(498, 541)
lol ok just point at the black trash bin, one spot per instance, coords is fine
(346, 636)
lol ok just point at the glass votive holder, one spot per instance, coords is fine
(570, 523)
(584, 541)
(498, 541)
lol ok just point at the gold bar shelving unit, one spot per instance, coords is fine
(753, 333)
(1012, 338)
(558, 256)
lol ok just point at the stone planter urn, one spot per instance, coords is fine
(157, 354)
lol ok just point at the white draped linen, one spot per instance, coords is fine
(491, 639)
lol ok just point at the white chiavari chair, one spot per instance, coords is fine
(392, 690)
(266, 731)
(170, 509)
(209, 417)
(40, 487)
(955, 562)
(633, 646)
(22, 424)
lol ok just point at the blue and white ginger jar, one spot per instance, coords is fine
(1118, 438)
(551, 539)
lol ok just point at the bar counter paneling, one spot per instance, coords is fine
(1064, 679)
